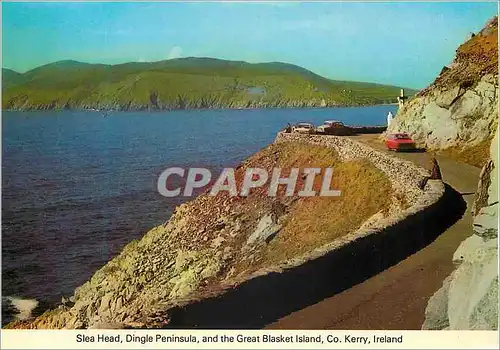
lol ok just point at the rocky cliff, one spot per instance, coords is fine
(458, 112)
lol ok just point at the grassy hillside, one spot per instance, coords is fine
(10, 77)
(181, 84)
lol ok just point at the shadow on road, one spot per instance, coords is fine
(413, 150)
(263, 300)
(418, 150)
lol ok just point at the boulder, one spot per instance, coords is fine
(266, 228)
(467, 249)
(472, 298)
(486, 222)
(436, 312)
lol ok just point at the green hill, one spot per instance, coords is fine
(10, 77)
(182, 84)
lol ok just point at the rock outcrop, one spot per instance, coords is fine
(468, 298)
(458, 112)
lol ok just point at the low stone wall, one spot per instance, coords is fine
(332, 267)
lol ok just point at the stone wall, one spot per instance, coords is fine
(404, 175)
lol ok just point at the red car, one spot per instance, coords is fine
(399, 142)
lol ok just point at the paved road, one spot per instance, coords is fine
(396, 298)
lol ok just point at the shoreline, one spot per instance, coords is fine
(192, 109)
(334, 250)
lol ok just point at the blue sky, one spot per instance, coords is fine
(393, 43)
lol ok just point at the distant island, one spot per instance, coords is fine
(184, 83)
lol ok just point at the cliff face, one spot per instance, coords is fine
(458, 112)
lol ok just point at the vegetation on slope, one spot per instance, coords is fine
(208, 242)
(474, 59)
(477, 155)
(10, 77)
(314, 221)
(185, 83)
(457, 114)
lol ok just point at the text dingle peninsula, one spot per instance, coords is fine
(296, 338)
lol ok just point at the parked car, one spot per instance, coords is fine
(334, 127)
(304, 128)
(399, 142)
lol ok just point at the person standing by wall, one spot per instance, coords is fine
(435, 173)
(389, 118)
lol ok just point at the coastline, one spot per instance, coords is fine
(156, 110)
(348, 150)
(173, 169)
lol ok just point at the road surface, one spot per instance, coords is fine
(396, 298)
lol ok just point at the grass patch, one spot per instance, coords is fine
(313, 221)
(318, 220)
(306, 155)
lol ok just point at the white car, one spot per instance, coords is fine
(304, 128)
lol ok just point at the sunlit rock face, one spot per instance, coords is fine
(459, 110)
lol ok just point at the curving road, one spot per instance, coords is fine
(396, 298)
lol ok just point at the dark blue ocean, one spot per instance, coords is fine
(77, 186)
